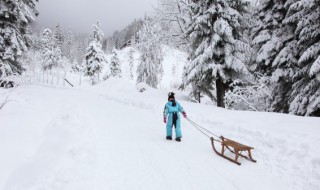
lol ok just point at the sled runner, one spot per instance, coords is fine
(234, 147)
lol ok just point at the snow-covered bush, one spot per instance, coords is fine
(142, 87)
(250, 96)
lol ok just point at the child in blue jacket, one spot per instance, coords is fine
(172, 108)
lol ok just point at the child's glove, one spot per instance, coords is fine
(184, 114)
(164, 120)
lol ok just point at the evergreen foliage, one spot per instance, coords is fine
(59, 36)
(51, 52)
(95, 58)
(15, 18)
(150, 67)
(70, 40)
(131, 62)
(305, 96)
(97, 33)
(218, 47)
(277, 50)
(115, 66)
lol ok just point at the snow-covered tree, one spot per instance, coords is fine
(218, 48)
(59, 36)
(305, 95)
(76, 67)
(95, 58)
(51, 53)
(97, 33)
(125, 37)
(173, 16)
(69, 46)
(131, 62)
(15, 18)
(276, 46)
(81, 43)
(147, 72)
(115, 66)
(150, 67)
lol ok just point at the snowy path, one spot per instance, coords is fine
(102, 139)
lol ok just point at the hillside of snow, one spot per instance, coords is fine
(111, 136)
(173, 63)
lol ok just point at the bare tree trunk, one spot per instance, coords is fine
(221, 91)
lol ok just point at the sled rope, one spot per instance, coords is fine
(202, 129)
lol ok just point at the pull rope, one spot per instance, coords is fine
(198, 128)
(202, 129)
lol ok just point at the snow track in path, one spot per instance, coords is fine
(66, 159)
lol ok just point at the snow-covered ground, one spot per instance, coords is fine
(111, 136)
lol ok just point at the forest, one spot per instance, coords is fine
(243, 55)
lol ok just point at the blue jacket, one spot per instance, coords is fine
(169, 111)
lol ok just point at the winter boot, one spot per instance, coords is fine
(169, 138)
(178, 139)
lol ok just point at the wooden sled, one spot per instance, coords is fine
(233, 147)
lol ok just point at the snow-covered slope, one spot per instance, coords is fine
(173, 63)
(112, 137)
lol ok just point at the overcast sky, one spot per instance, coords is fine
(80, 15)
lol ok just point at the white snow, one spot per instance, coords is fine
(111, 136)
(171, 58)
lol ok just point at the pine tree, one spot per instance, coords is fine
(95, 58)
(115, 66)
(150, 67)
(147, 72)
(276, 47)
(97, 33)
(305, 95)
(59, 36)
(80, 48)
(15, 18)
(51, 53)
(218, 49)
(69, 46)
(131, 62)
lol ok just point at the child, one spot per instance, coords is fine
(172, 108)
